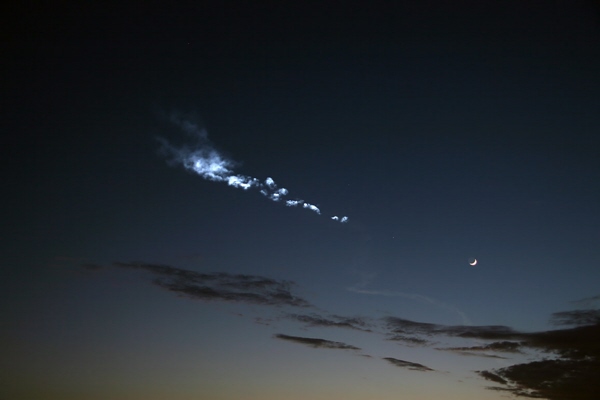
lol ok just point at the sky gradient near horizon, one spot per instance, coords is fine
(136, 266)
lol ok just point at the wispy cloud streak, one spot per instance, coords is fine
(332, 321)
(219, 286)
(407, 364)
(576, 317)
(413, 296)
(316, 342)
(568, 360)
(487, 350)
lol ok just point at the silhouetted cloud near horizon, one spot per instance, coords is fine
(333, 321)
(220, 286)
(588, 302)
(400, 326)
(576, 317)
(550, 379)
(492, 377)
(511, 347)
(483, 351)
(573, 375)
(407, 364)
(409, 339)
(568, 367)
(316, 342)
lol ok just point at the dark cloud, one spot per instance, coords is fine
(512, 347)
(399, 326)
(332, 321)
(516, 392)
(221, 286)
(576, 317)
(573, 375)
(552, 379)
(475, 354)
(576, 343)
(573, 343)
(588, 302)
(571, 369)
(316, 343)
(505, 347)
(570, 372)
(409, 339)
(492, 377)
(404, 326)
(407, 364)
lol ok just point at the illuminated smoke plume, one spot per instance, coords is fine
(211, 165)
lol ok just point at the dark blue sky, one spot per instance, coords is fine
(443, 130)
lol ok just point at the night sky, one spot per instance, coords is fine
(446, 132)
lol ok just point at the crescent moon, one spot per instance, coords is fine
(474, 262)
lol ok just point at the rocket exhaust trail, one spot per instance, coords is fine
(206, 161)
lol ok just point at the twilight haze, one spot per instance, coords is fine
(289, 201)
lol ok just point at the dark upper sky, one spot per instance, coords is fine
(443, 130)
